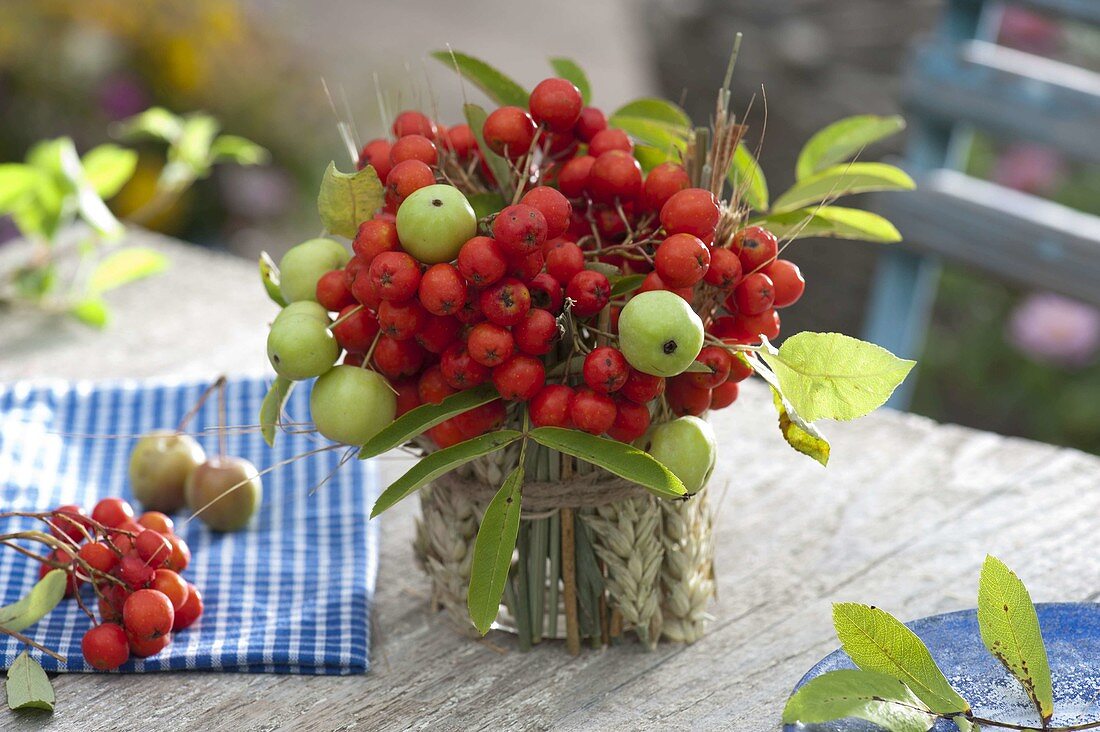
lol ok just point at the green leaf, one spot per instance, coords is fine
(569, 70)
(830, 221)
(108, 168)
(28, 686)
(834, 376)
(193, 147)
(91, 311)
(417, 421)
(1010, 630)
(269, 275)
(475, 117)
(654, 122)
(17, 181)
(435, 464)
(236, 149)
(626, 284)
(965, 725)
(843, 139)
(800, 434)
(747, 179)
(877, 641)
(493, 82)
(496, 541)
(650, 157)
(348, 199)
(155, 122)
(88, 203)
(486, 204)
(125, 266)
(271, 410)
(36, 604)
(842, 180)
(875, 697)
(625, 461)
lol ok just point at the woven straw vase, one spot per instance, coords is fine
(597, 558)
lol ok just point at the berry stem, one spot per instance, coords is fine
(33, 644)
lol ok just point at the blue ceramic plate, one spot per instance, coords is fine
(1072, 635)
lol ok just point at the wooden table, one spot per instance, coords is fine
(902, 518)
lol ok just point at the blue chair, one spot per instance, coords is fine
(959, 81)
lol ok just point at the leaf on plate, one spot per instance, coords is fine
(496, 541)
(435, 464)
(875, 697)
(877, 641)
(1010, 630)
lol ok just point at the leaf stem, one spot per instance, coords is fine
(33, 644)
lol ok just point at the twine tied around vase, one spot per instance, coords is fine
(580, 491)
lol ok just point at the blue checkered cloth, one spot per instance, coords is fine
(290, 594)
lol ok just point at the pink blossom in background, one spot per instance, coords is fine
(1056, 329)
(1030, 168)
(122, 96)
(1026, 30)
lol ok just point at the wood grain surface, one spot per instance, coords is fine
(902, 518)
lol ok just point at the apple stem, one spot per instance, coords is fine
(218, 384)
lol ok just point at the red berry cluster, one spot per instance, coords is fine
(500, 308)
(134, 567)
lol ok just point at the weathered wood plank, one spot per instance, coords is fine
(903, 518)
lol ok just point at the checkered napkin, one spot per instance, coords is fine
(290, 594)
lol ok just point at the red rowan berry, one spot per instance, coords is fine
(395, 276)
(509, 131)
(105, 647)
(610, 139)
(755, 294)
(631, 421)
(615, 175)
(756, 247)
(406, 178)
(395, 359)
(490, 344)
(536, 333)
(641, 387)
(605, 369)
(662, 183)
(550, 406)
(505, 302)
(376, 154)
(519, 378)
(520, 230)
(590, 291)
(460, 369)
(411, 122)
(594, 413)
(414, 147)
(725, 269)
(589, 123)
(682, 260)
(788, 282)
(691, 211)
(556, 103)
(554, 207)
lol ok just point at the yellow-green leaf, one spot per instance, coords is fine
(236, 149)
(834, 376)
(493, 548)
(877, 641)
(28, 686)
(348, 199)
(416, 421)
(842, 180)
(830, 221)
(91, 311)
(655, 122)
(650, 157)
(747, 179)
(496, 85)
(570, 70)
(269, 275)
(16, 182)
(271, 410)
(1010, 630)
(155, 122)
(37, 603)
(125, 266)
(435, 464)
(108, 168)
(875, 697)
(625, 461)
(799, 434)
(843, 139)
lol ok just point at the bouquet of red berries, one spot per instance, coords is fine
(546, 300)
